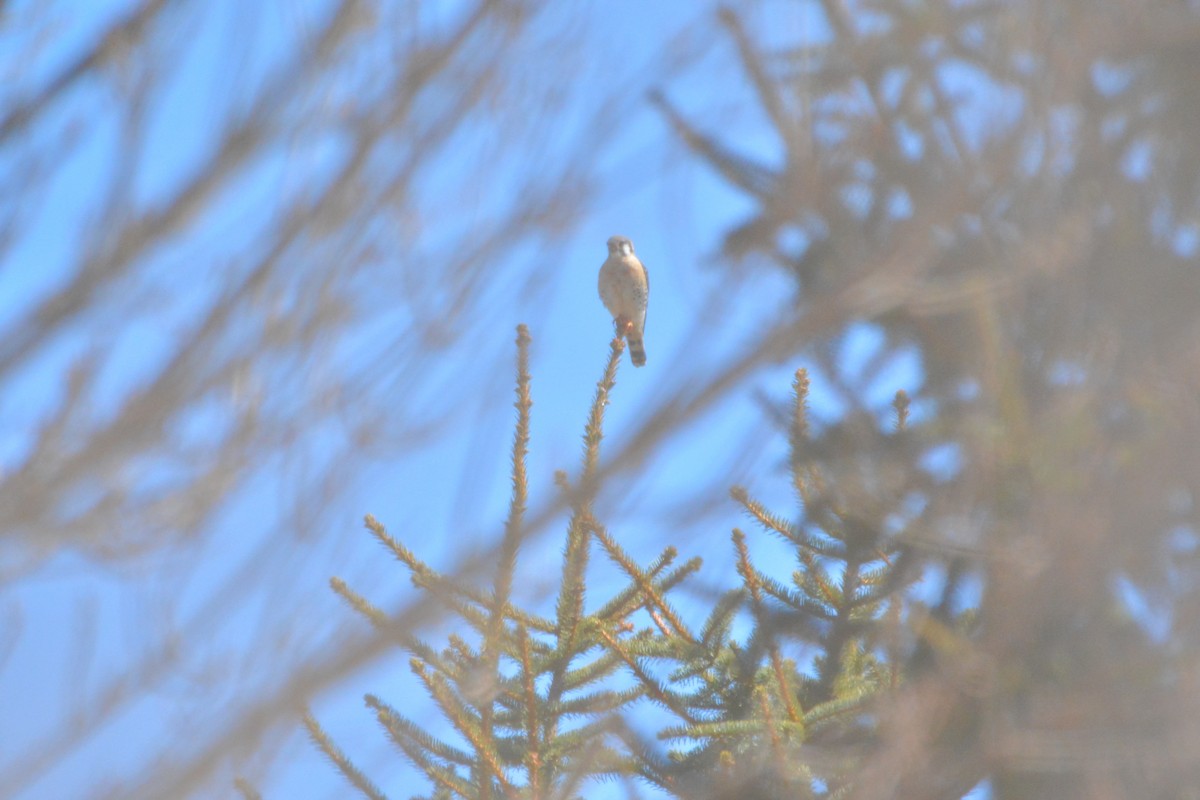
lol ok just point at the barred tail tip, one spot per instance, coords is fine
(637, 352)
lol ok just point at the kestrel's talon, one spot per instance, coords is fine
(625, 288)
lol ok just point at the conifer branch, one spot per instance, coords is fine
(646, 644)
(817, 584)
(461, 652)
(383, 623)
(594, 431)
(402, 733)
(571, 594)
(658, 621)
(869, 595)
(833, 710)
(400, 727)
(892, 632)
(654, 689)
(513, 532)
(359, 603)
(803, 478)
(533, 754)
(450, 592)
(569, 608)
(653, 598)
(840, 635)
(630, 599)
(602, 701)
(726, 730)
(352, 773)
(584, 754)
(798, 433)
(467, 724)
(442, 587)
(758, 609)
(802, 600)
(591, 672)
(717, 625)
(570, 602)
(772, 732)
(809, 544)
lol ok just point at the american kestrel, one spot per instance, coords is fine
(625, 289)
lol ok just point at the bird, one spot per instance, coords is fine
(625, 290)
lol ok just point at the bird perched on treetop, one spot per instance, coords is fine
(625, 289)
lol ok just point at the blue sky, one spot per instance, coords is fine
(444, 496)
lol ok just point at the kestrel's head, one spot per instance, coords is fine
(619, 246)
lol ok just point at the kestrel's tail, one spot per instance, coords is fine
(637, 350)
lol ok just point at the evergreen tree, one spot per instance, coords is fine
(1009, 191)
(535, 702)
(532, 698)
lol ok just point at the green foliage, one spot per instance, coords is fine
(755, 706)
(540, 704)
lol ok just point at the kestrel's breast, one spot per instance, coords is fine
(623, 288)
